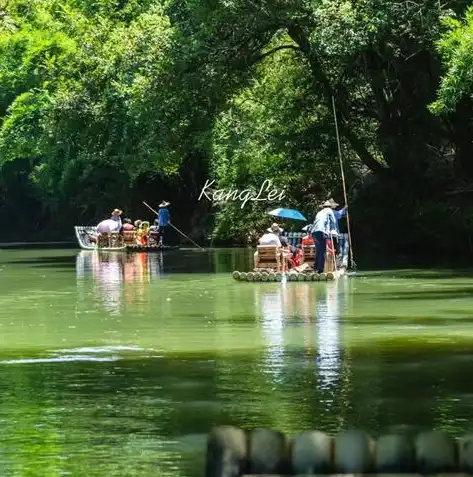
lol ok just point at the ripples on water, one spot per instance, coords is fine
(177, 354)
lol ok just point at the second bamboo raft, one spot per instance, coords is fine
(291, 276)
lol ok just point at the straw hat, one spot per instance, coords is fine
(327, 203)
(334, 204)
(164, 204)
(117, 212)
(275, 229)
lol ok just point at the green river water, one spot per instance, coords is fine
(116, 365)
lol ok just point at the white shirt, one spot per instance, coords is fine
(325, 222)
(270, 239)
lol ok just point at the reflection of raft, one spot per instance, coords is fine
(291, 276)
(150, 248)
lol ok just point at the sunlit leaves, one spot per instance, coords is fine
(456, 49)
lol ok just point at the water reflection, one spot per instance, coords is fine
(135, 394)
(119, 279)
(329, 361)
(272, 325)
(315, 309)
(327, 322)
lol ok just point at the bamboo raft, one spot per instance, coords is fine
(272, 276)
(233, 452)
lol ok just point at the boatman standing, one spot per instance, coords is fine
(163, 220)
(343, 241)
(324, 227)
(342, 238)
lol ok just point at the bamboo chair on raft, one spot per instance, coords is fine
(129, 237)
(269, 257)
(111, 239)
(309, 256)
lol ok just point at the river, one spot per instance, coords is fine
(118, 365)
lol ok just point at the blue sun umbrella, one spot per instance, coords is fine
(287, 214)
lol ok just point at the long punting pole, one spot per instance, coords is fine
(343, 181)
(174, 227)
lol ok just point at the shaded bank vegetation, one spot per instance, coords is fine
(107, 103)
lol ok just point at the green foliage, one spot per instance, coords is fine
(97, 95)
(456, 49)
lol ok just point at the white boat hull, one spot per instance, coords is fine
(85, 232)
(83, 235)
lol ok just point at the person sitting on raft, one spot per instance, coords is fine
(307, 239)
(291, 254)
(271, 237)
(113, 224)
(297, 256)
(127, 225)
(141, 232)
(145, 227)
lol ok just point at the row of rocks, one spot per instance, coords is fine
(233, 452)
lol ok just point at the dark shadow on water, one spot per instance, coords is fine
(191, 261)
(65, 261)
(415, 320)
(430, 274)
(425, 294)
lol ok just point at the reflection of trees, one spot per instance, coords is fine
(91, 419)
(227, 260)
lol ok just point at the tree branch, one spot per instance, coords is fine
(274, 50)
(298, 35)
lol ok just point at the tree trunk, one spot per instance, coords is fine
(463, 140)
(297, 34)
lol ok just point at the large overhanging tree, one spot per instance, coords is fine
(97, 94)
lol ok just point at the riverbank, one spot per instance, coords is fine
(39, 245)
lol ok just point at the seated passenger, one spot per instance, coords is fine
(127, 225)
(113, 224)
(271, 237)
(138, 229)
(297, 256)
(287, 251)
(145, 226)
(307, 239)
(142, 234)
(293, 255)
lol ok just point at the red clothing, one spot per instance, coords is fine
(330, 249)
(299, 256)
(297, 259)
(307, 240)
